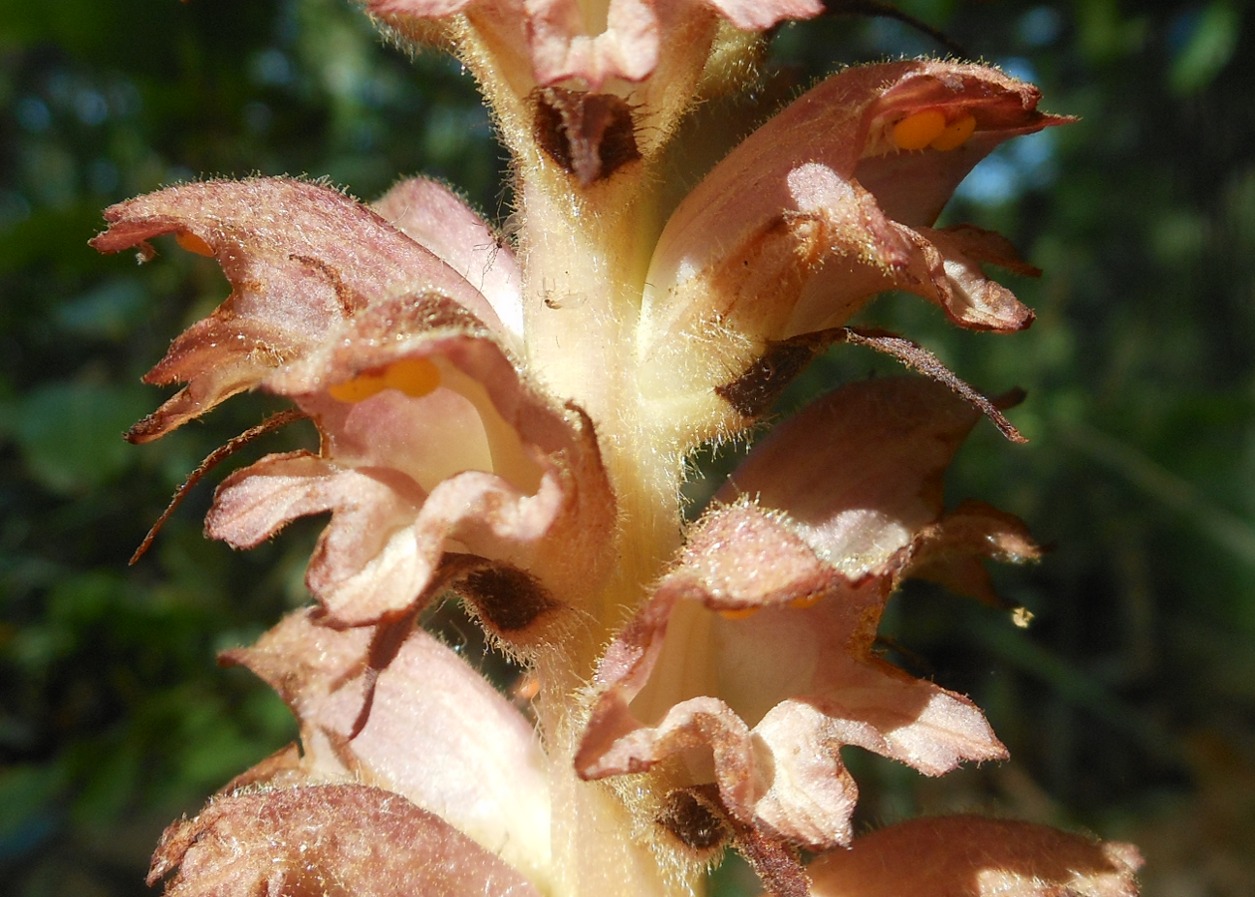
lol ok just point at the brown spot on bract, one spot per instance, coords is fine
(589, 135)
(753, 392)
(508, 599)
(693, 820)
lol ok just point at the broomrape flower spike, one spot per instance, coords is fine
(505, 421)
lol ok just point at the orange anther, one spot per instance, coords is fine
(955, 134)
(415, 377)
(919, 130)
(193, 243)
(738, 613)
(359, 389)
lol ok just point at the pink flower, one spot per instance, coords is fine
(826, 205)
(440, 464)
(753, 663)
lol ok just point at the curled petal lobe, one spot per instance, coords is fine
(947, 271)
(301, 258)
(950, 552)
(563, 45)
(941, 265)
(970, 856)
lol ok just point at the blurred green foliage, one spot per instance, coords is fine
(1129, 705)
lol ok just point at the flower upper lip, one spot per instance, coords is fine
(302, 259)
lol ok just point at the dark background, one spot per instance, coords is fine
(1129, 705)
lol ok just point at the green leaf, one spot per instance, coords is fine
(1208, 49)
(70, 433)
(110, 311)
(27, 799)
